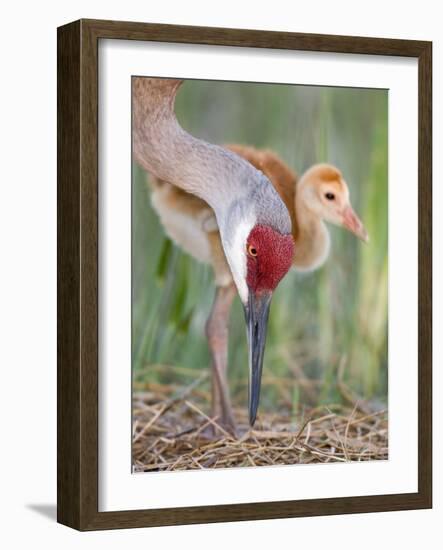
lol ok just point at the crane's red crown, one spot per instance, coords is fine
(269, 257)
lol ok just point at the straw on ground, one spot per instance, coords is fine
(173, 431)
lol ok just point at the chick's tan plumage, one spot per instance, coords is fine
(190, 222)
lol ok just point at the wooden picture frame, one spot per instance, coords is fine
(78, 274)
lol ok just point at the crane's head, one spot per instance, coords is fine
(259, 247)
(325, 193)
(269, 256)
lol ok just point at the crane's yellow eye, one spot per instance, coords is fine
(252, 251)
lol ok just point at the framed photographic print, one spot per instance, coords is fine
(244, 275)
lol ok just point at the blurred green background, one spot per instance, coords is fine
(325, 327)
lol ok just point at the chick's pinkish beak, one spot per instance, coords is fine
(353, 224)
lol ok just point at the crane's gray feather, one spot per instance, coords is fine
(229, 184)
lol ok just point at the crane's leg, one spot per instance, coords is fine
(217, 334)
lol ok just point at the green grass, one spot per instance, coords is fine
(318, 320)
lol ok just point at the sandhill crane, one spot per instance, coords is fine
(253, 221)
(321, 194)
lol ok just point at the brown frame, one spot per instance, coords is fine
(77, 455)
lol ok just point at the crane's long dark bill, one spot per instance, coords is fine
(257, 313)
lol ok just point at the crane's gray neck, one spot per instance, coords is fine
(230, 185)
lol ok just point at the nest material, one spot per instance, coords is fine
(172, 430)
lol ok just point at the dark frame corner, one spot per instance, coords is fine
(77, 319)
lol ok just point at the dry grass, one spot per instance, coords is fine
(172, 431)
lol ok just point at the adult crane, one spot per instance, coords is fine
(253, 222)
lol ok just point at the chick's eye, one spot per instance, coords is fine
(330, 196)
(252, 251)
